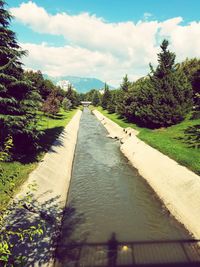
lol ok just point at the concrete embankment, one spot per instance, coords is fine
(52, 179)
(175, 185)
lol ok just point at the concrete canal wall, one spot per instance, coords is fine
(52, 178)
(175, 185)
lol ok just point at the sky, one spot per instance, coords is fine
(105, 39)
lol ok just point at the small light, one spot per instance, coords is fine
(124, 248)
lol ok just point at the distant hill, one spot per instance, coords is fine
(82, 84)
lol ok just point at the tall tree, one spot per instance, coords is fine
(191, 67)
(18, 99)
(72, 95)
(166, 98)
(106, 98)
(125, 84)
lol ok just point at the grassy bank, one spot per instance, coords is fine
(179, 142)
(51, 127)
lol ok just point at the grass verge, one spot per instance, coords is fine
(180, 142)
(51, 127)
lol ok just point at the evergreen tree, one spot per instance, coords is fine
(191, 68)
(113, 103)
(125, 84)
(166, 98)
(72, 95)
(95, 98)
(106, 98)
(18, 99)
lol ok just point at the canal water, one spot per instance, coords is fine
(107, 195)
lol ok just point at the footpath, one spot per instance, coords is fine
(176, 186)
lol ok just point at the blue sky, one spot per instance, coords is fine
(102, 38)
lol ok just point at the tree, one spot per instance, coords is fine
(66, 104)
(95, 98)
(18, 98)
(72, 95)
(111, 107)
(106, 98)
(125, 84)
(166, 98)
(191, 68)
(52, 104)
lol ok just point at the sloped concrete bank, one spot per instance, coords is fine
(175, 185)
(52, 179)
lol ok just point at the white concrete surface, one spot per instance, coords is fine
(52, 177)
(175, 185)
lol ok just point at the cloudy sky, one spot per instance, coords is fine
(105, 39)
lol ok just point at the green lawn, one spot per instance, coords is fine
(179, 142)
(51, 127)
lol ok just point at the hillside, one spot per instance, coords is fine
(82, 84)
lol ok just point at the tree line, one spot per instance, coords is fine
(24, 93)
(161, 99)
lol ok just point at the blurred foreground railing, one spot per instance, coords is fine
(144, 253)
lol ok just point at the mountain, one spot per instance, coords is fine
(82, 84)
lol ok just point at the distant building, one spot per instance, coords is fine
(64, 84)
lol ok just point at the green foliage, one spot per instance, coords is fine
(18, 98)
(191, 68)
(106, 98)
(125, 84)
(111, 107)
(73, 96)
(96, 98)
(44, 86)
(52, 104)
(166, 98)
(66, 104)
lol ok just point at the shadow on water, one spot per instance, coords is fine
(173, 253)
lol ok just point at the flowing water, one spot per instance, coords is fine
(109, 194)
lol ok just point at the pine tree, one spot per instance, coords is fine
(18, 99)
(125, 84)
(72, 95)
(166, 98)
(106, 98)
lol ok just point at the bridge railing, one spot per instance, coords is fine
(143, 253)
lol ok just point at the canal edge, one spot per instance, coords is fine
(53, 174)
(176, 186)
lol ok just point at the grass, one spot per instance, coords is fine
(179, 142)
(51, 127)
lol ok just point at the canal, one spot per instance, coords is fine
(107, 195)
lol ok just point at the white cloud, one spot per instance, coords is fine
(101, 49)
